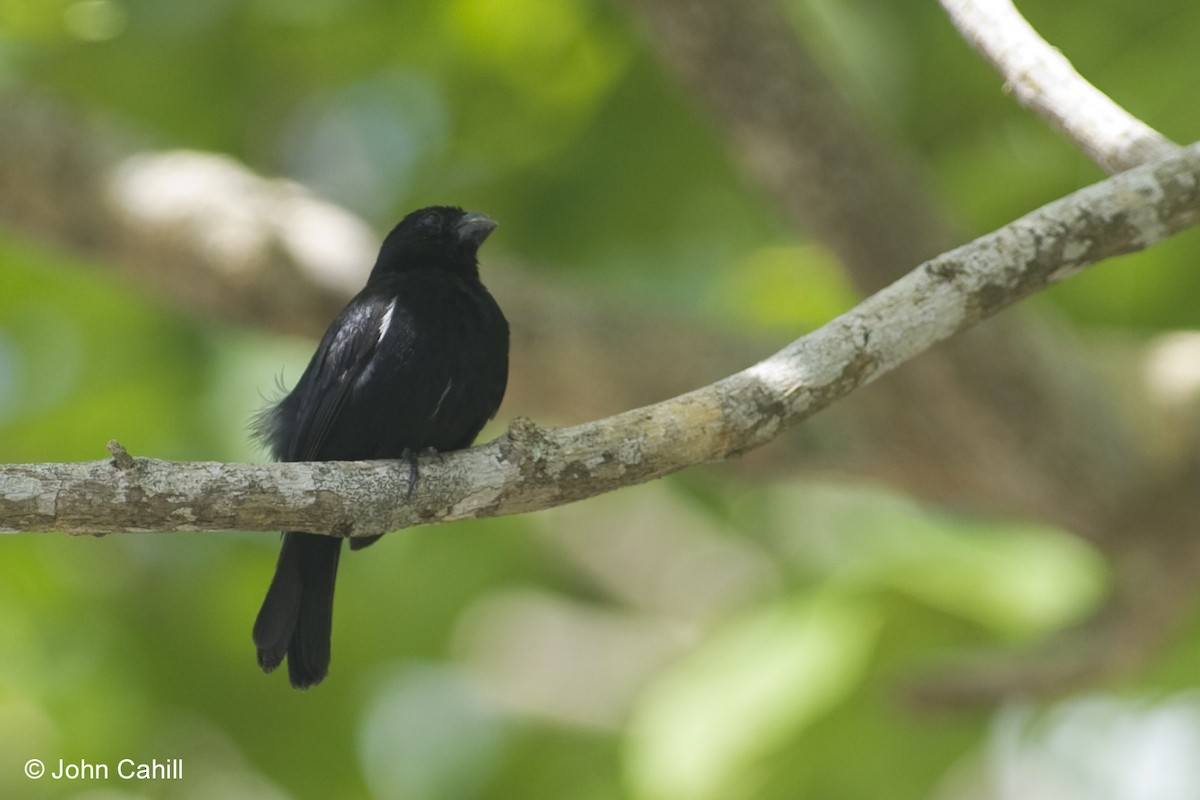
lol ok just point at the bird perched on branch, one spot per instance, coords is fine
(418, 360)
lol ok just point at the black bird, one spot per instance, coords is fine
(417, 361)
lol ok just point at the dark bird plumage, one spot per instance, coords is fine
(417, 360)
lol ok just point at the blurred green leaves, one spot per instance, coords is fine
(783, 288)
(703, 728)
(429, 736)
(83, 362)
(1014, 578)
(769, 681)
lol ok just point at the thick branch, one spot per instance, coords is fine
(1003, 419)
(1043, 80)
(531, 468)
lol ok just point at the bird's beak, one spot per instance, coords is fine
(475, 227)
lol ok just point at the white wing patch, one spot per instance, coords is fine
(445, 392)
(386, 322)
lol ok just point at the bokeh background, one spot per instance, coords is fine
(805, 622)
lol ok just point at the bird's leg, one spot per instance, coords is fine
(413, 473)
(411, 457)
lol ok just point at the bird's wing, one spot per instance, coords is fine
(341, 360)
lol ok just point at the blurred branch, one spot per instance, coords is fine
(532, 468)
(72, 182)
(796, 135)
(1043, 80)
(217, 241)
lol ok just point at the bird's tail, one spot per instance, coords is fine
(296, 618)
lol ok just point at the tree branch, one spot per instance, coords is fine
(1043, 80)
(1004, 419)
(531, 468)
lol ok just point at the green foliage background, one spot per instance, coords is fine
(554, 116)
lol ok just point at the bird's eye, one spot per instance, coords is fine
(431, 220)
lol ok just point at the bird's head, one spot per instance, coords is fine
(437, 237)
